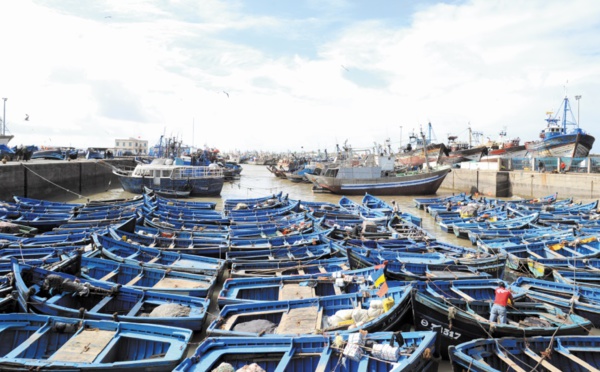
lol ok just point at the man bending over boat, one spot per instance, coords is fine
(500, 303)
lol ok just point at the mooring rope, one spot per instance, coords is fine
(55, 184)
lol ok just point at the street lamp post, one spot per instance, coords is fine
(577, 98)
(4, 117)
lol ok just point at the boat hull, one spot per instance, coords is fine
(577, 145)
(199, 187)
(417, 184)
(455, 329)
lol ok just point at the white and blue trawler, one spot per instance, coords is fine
(557, 140)
(169, 174)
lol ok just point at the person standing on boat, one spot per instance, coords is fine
(541, 167)
(395, 208)
(500, 303)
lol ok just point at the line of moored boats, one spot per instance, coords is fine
(312, 286)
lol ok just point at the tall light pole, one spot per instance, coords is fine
(4, 117)
(577, 98)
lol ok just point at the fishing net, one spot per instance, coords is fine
(261, 326)
(251, 368)
(224, 367)
(170, 311)
(57, 284)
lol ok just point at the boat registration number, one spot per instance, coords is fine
(443, 330)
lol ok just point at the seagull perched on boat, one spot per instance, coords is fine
(226, 93)
(26, 117)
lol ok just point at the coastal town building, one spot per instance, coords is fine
(131, 146)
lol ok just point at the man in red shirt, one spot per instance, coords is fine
(500, 302)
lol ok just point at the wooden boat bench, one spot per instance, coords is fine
(110, 275)
(168, 283)
(566, 353)
(302, 320)
(295, 291)
(84, 347)
(549, 366)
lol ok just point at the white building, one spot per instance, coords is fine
(131, 146)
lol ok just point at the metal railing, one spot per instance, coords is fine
(590, 164)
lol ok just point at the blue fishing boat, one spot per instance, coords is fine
(121, 251)
(562, 353)
(269, 269)
(345, 313)
(579, 299)
(422, 203)
(252, 203)
(462, 309)
(244, 290)
(166, 203)
(462, 229)
(135, 276)
(59, 294)
(284, 253)
(410, 352)
(42, 342)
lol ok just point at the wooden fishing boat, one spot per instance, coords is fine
(422, 203)
(251, 203)
(561, 353)
(270, 269)
(165, 203)
(414, 352)
(579, 299)
(135, 276)
(121, 251)
(245, 290)
(463, 311)
(169, 193)
(284, 253)
(345, 313)
(209, 246)
(42, 342)
(59, 294)
(461, 229)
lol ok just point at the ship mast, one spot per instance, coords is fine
(425, 153)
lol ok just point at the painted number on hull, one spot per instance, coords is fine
(444, 331)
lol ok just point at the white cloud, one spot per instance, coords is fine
(89, 74)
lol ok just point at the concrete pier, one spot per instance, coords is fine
(527, 184)
(52, 179)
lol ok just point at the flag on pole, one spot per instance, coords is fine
(378, 279)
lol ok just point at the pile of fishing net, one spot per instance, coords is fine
(226, 367)
(260, 326)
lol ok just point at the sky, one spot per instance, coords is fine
(293, 75)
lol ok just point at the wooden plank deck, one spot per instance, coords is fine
(295, 291)
(170, 283)
(84, 347)
(302, 320)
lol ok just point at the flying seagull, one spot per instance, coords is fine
(226, 93)
(344, 67)
(26, 117)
